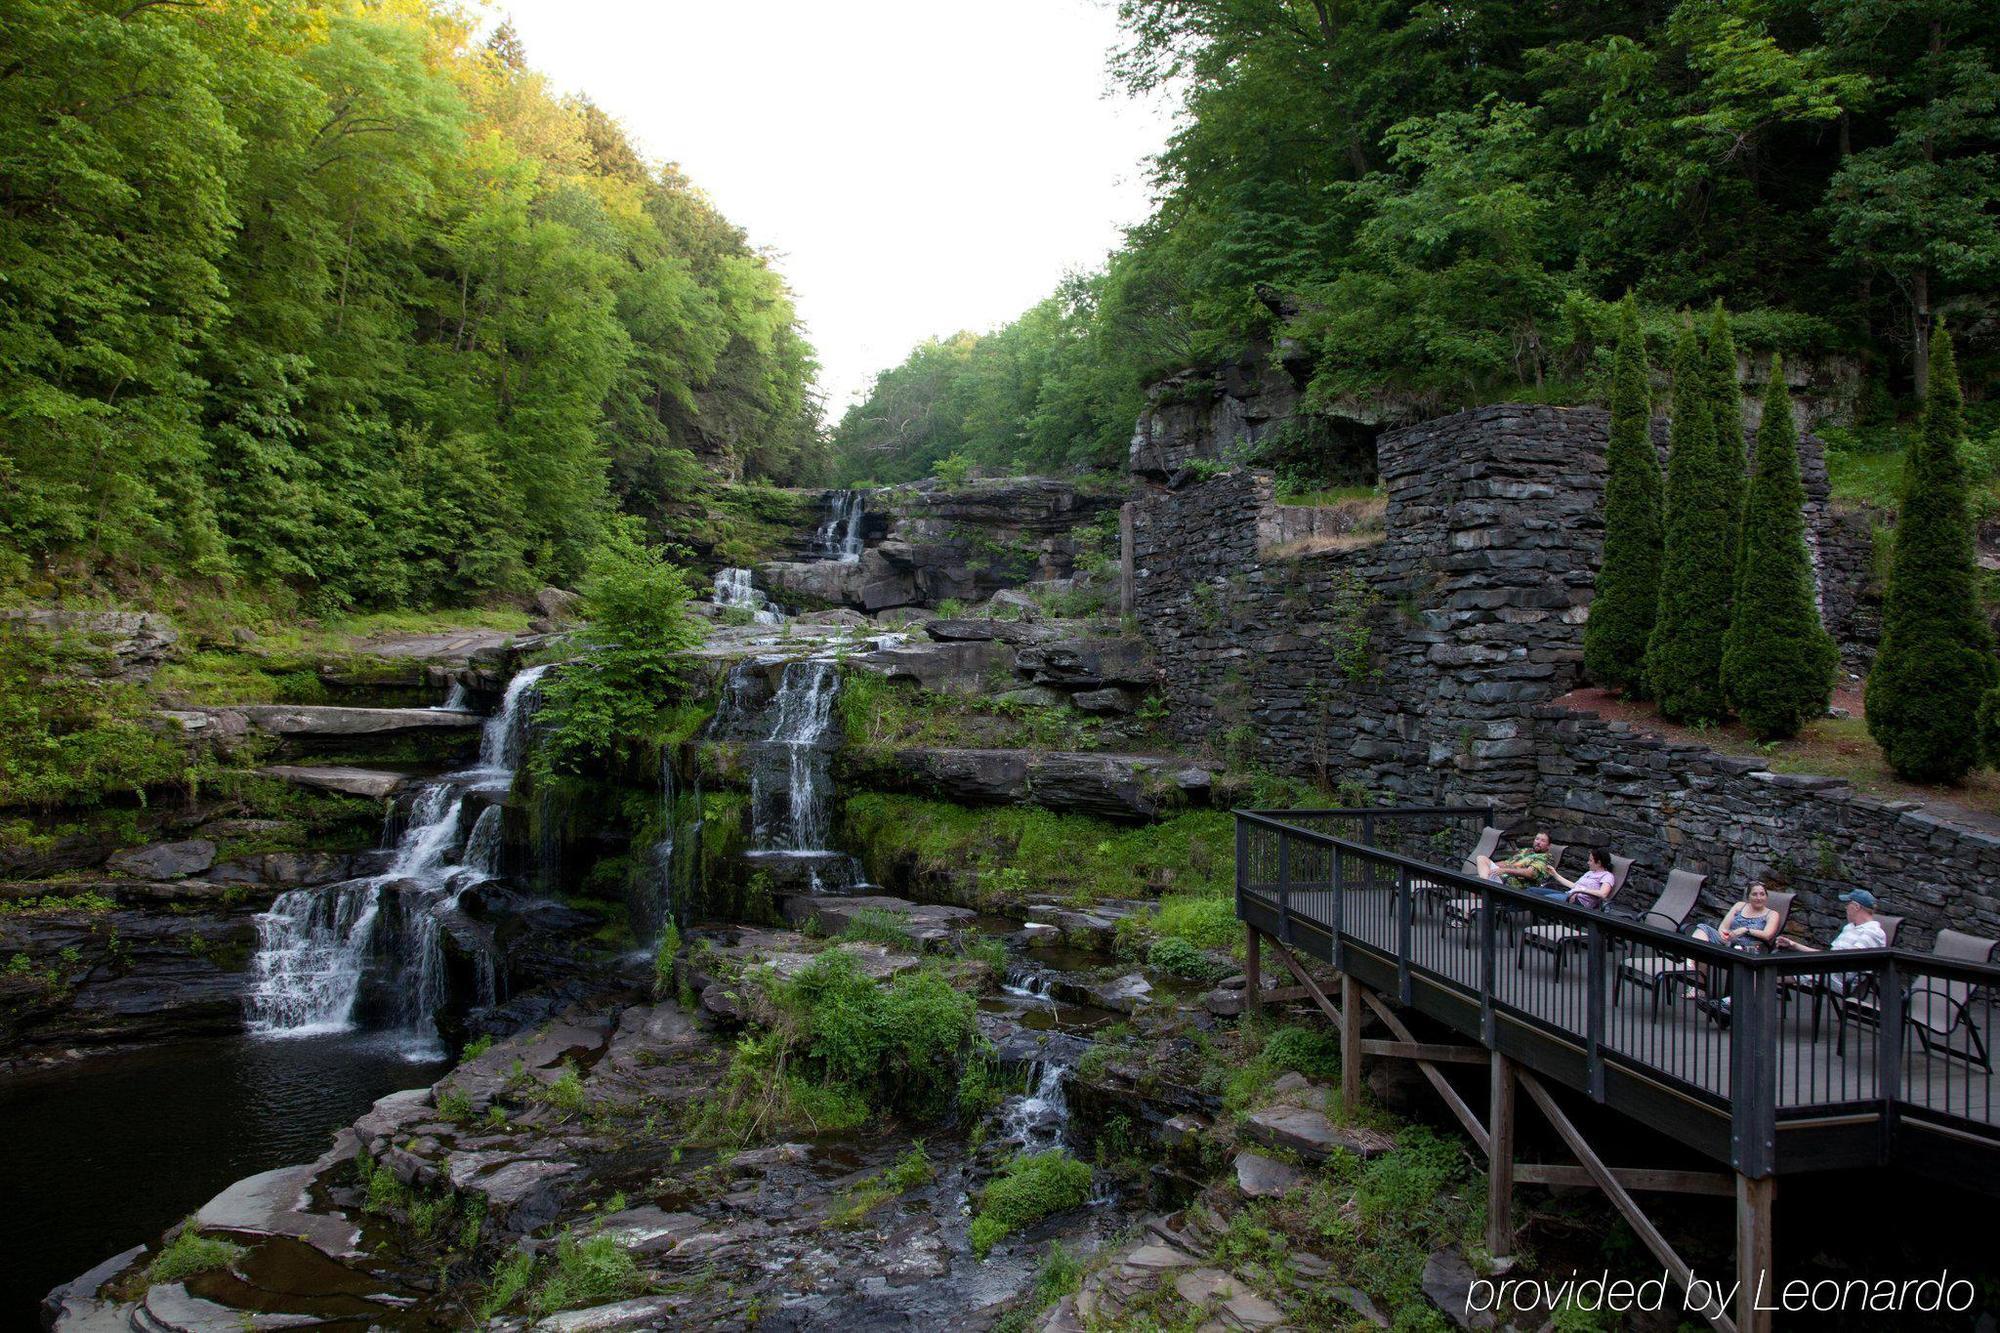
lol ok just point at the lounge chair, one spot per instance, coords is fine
(1441, 894)
(1464, 911)
(1935, 1008)
(1655, 973)
(1815, 985)
(1559, 939)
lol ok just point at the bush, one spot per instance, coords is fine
(589, 1271)
(68, 739)
(1684, 654)
(639, 630)
(901, 1044)
(1935, 665)
(189, 1253)
(1628, 580)
(1778, 660)
(1178, 957)
(1029, 1189)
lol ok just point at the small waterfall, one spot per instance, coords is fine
(839, 538)
(315, 945)
(802, 718)
(735, 592)
(1039, 1119)
(456, 700)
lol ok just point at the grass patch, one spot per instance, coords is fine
(877, 925)
(189, 1253)
(878, 716)
(588, 1270)
(1015, 849)
(1030, 1188)
(1312, 1051)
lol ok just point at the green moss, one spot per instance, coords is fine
(1030, 1188)
(189, 1253)
(1011, 850)
(69, 739)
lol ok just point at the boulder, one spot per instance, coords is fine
(135, 643)
(1087, 664)
(333, 720)
(926, 925)
(967, 667)
(165, 860)
(1018, 633)
(1110, 785)
(372, 783)
(1109, 700)
(558, 605)
(834, 582)
(1311, 1135)
(1447, 1281)
(1262, 1177)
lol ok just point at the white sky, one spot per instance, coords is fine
(917, 166)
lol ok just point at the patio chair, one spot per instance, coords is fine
(1656, 973)
(1464, 911)
(1815, 986)
(1559, 939)
(1441, 894)
(1935, 1008)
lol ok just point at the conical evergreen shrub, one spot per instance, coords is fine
(1935, 664)
(1684, 654)
(1778, 660)
(1628, 580)
(1725, 405)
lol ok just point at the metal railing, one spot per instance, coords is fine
(1751, 1042)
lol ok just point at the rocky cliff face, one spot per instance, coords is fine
(927, 542)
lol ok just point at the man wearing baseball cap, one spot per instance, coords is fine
(1862, 931)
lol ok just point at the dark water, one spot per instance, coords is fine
(107, 1155)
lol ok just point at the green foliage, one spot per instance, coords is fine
(189, 1253)
(67, 738)
(335, 300)
(1777, 661)
(952, 469)
(589, 1270)
(1684, 654)
(900, 1043)
(664, 954)
(639, 629)
(879, 926)
(1031, 1187)
(1010, 848)
(1628, 580)
(477, 1047)
(1183, 959)
(515, 1274)
(1312, 1051)
(1726, 413)
(1935, 664)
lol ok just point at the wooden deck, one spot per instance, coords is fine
(1767, 1094)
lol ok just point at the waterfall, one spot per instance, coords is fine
(314, 946)
(735, 592)
(455, 700)
(839, 538)
(1039, 1119)
(802, 717)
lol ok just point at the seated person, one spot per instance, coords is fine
(1526, 868)
(1862, 931)
(1749, 925)
(1590, 889)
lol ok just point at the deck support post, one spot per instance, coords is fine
(1754, 1199)
(1500, 1159)
(1253, 969)
(1350, 1042)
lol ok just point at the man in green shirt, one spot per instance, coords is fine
(1526, 868)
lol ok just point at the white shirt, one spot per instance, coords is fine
(1861, 935)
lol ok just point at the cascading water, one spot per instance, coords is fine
(735, 592)
(802, 718)
(1039, 1118)
(315, 946)
(839, 538)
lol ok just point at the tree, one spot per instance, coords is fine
(1628, 580)
(1684, 654)
(1935, 664)
(1778, 660)
(1726, 408)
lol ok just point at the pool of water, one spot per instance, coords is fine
(108, 1154)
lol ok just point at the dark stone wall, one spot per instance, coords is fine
(1674, 804)
(1472, 605)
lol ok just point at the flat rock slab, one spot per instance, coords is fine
(165, 860)
(923, 923)
(1447, 1281)
(1262, 1177)
(169, 1308)
(272, 1203)
(1151, 1259)
(449, 646)
(333, 720)
(367, 782)
(640, 1312)
(1312, 1136)
(1234, 1305)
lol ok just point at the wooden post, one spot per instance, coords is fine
(1253, 969)
(1754, 1254)
(1350, 1042)
(1500, 1159)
